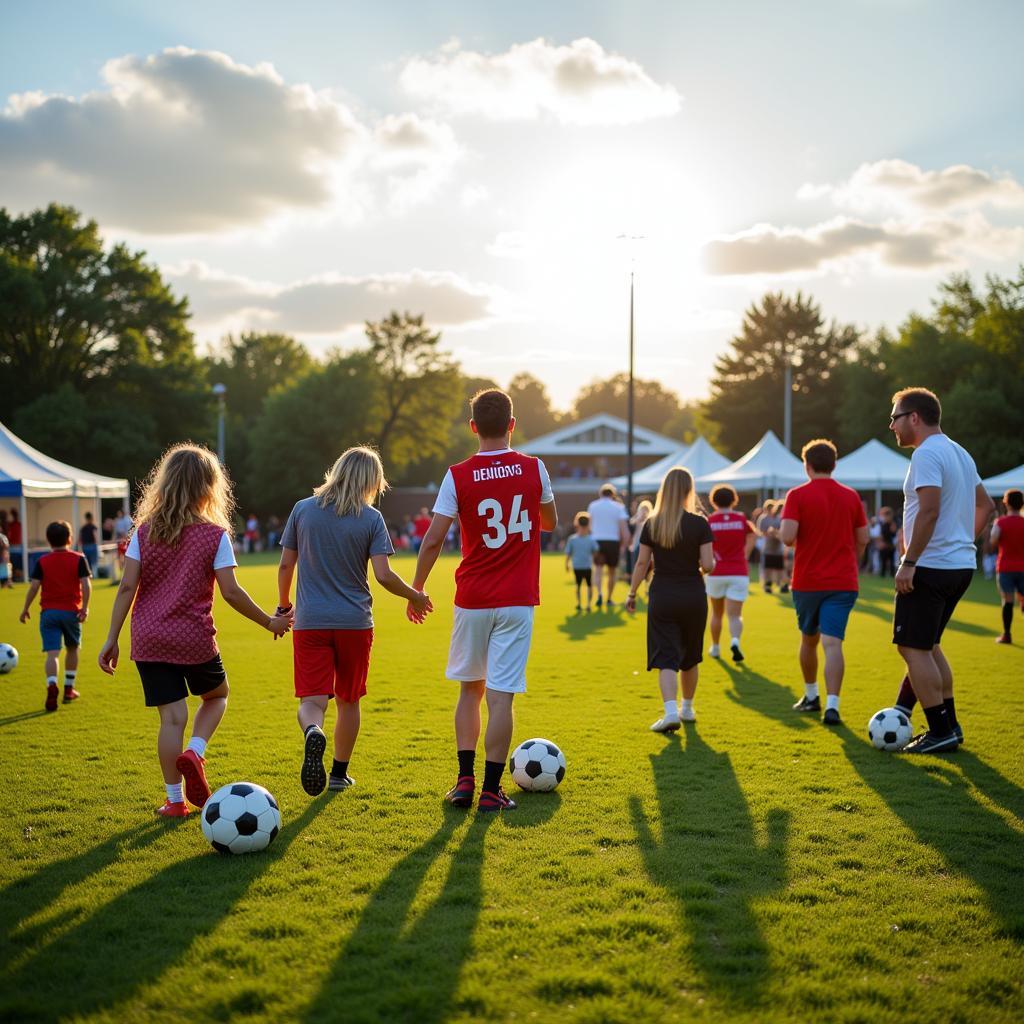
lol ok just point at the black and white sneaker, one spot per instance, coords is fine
(958, 732)
(313, 776)
(926, 743)
(831, 717)
(737, 654)
(336, 782)
(810, 704)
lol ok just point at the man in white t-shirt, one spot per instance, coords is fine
(609, 526)
(945, 508)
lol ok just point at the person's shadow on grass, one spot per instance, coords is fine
(710, 860)
(128, 942)
(934, 800)
(580, 625)
(752, 690)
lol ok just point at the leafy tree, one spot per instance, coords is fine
(686, 424)
(417, 387)
(532, 406)
(71, 312)
(306, 425)
(653, 405)
(748, 383)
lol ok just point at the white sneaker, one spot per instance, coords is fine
(669, 723)
(687, 715)
(715, 651)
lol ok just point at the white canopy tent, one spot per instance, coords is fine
(768, 466)
(47, 490)
(699, 458)
(873, 467)
(1003, 482)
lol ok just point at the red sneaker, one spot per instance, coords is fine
(493, 802)
(197, 789)
(70, 694)
(51, 697)
(170, 810)
(461, 794)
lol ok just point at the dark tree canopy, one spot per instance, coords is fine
(654, 405)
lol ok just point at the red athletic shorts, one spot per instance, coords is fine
(332, 662)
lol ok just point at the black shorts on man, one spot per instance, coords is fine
(607, 552)
(922, 615)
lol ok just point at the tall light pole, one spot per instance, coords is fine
(787, 405)
(220, 390)
(630, 405)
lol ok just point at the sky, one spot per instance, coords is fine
(504, 169)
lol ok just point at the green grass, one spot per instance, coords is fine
(757, 867)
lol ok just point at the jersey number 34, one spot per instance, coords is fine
(518, 521)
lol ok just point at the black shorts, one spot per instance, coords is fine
(583, 576)
(676, 617)
(165, 683)
(607, 553)
(922, 615)
(775, 561)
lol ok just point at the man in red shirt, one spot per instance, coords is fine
(729, 583)
(1008, 538)
(502, 500)
(825, 521)
(65, 580)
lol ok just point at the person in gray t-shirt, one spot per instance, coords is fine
(331, 537)
(579, 550)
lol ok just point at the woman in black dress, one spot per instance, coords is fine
(680, 541)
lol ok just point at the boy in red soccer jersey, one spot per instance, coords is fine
(502, 500)
(66, 582)
(1007, 538)
(729, 583)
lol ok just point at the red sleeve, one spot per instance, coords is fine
(791, 510)
(859, 518)
(750, 527)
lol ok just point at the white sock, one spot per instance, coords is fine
(671, 709)
(811, 690)
(735, 641)
(198, 744)
(51, 681)
(69, 678)
(832, 701)
(687, 706)
(174, 793)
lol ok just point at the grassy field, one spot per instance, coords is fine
(756, 867)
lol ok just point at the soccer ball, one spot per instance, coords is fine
(890, 729)
(241, 818)
(8, 658)
(537, 765)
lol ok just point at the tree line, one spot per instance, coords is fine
(98, 367)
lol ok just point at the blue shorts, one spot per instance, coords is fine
(1012, 582)
(60, 628)
(824, 611)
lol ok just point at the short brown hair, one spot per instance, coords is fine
(1014, 499)
(491, 410)
(724, 496)
(581, 519)
(922, 401)
(820, 455)
(58, 534)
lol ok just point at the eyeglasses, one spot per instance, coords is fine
(896, 415)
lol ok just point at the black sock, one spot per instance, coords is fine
(906, 698)
(466, 761)
(339, 769)
(492, 775)
(950, 711)
(1007, 616)
(938, 721)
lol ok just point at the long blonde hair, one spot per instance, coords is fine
(675, 495)
(353, 482)
(188, 485)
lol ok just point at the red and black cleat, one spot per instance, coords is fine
(51, 697)
(191, 766)
(461, 794)
(172, 810)
(70, 694)
(490, 803)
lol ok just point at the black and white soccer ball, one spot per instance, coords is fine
(241, 818)
(537, 765)
(8, 658)
(890, 729)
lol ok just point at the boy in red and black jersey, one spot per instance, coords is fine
(64, 578)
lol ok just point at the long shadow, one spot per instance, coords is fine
(387, 972)
(999, 789)
(934, 800)
(11, 719)
(764, 695)
(709, 859)
(580, 625)
(130, 941)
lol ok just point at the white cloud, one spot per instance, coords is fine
(329, 304)
(898, 184)
(186, 142)
(576, 84)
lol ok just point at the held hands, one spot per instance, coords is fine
(108, 656)
(905, 579)
(419, 607)
(281, 622)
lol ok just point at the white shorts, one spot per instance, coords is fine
(491, 644)
(733, 588)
